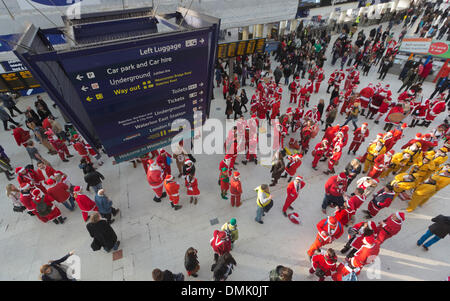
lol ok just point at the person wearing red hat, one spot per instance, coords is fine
(294, 88)
(365, 96)
(424, 140)
(44, 208)
(382, 199)
(164, 160)
(437, 106)
(324, 264)
(59, 146)
(292, 191)
(319, 77)
(329, 229)
(366, 254)
(390, 226)
(81, 148)
(335, 155)
(319, 152)
(381, 164)
(344, 214)
(192, 188)
(155, 178)
(374, 150)
(251, 150)
(291, 168)
(27, 199)
(334, 191)
(235, 189)
(60, 192)
(28, 175)
(85, 204)
(359, 136)
(173, 191)
(356, 235)
(397, 108)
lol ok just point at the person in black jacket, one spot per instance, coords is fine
(244, 100)
(385, 66)
(439, 229)
(9, 103)
(223, 267)
(352, 170)
(55, 270)
(32, 117)
(93, 178)
(441, 86)
(191, 262)
(237, 107)
(102, 232)
(167, 275)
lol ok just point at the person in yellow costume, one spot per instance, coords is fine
(374, 150)
(422, 169)
(403, 182)
(439, 157)
(398, 161)
(415, 150)
(432, 185)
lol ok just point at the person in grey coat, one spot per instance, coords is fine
(4, 116)
(439, 229)
(9, 103)
(104, 205)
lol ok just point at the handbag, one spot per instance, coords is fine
(19, 208)
(95, 245)
(268, 206)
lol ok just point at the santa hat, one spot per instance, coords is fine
(77, 189)
(404, 126)
(76, 137)
(365, 123)
(188, 161)
(162, 152)
(418, 135)
(342, 176)
(372, 225)
(427, 137)
(298, 157)
(297, 78)
(294, 217)
(236, 174)
(169, 178)
(19, 170)
(227, 157)
(411, 92)
(332, 220)
(50, 182)
(37, 193)
(391, 152)
(400, 216)
(369, 240)
(289, 110)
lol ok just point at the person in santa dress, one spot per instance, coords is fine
(27, 175)
(292, 191)
(319, 151)
(279, 92)
(324, 264)
(343, 214)
(374, 105)
(366, 254)
(359, 136)
(356, 234)
(59, 146)
(235, 189)
(396, 109)
(45, 171)
(382, 199)
(309, 90)
(365, 96)
(319, 77)
(164, 160)
(437, 106)
(335, 156)
(173, 191)
(192, 188)
(61, 193)
(52, 213)
(381, 164)
(293, 164)
(155, 178)
(390, 226)
(27, 199)
(81, 148)
(355, 201)
(85, 204)
(328, 230)
(294, 88)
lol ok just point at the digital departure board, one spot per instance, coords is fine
(239, 48)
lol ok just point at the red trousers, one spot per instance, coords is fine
(316, 245)
(382, 235)
(288, 202)
(63, 151)
(293, 97)
(317, 157)
(372, 209)
(317, 87)
(355, 146)
(235, 200)
(374, 173)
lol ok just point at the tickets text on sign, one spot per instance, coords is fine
(239, 48)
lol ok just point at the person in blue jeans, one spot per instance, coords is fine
(439, 229)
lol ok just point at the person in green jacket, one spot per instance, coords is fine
(224, 180)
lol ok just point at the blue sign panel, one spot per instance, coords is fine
(133, 95)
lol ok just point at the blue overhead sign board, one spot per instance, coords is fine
(133, 95)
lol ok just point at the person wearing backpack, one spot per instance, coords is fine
(231, 229)
(45, 209)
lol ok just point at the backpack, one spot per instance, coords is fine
(42, 208)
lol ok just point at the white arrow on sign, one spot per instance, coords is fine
(84, 88)
(201, 84)
(202, 40)
(80, 77)
(201, 92)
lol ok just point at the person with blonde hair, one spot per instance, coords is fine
(103, 234)
(13, 193)
(264, 202)
(55, 270)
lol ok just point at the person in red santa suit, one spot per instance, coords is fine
(419, 112)
(406, 96)
(313, 115)
(164, 160)
(352, 77)
(85, 204)
(251, 150)
(335, 156)
(292, 191)
(302, 97)
(192, 188)
(328, 230)
(356, 200)
(382, 199)
(319, 77)
(309, 90)
(61, 193)
(390, 226)
(332, 79)
(27, 199)
(155, 178)
(254, 105)
(374, 105)
(366, 254)
(275, 104)
(306, 135)
(344, 214)
(279, 92)
(294, 88)
(356, 234)
(81, 148)
(324, 264)
(54, 213)
(45, 168)
(384, 108)
(220, 243)
(365, 96)
(425, 142)
(381, 164)
(59, 146)
(396, 108)
(330, 132)
(319, 151)
(437, 106)
(359, 136)
(349, 99)
(20, 135)
(297, 119)
(293, 164)
(29, 176)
